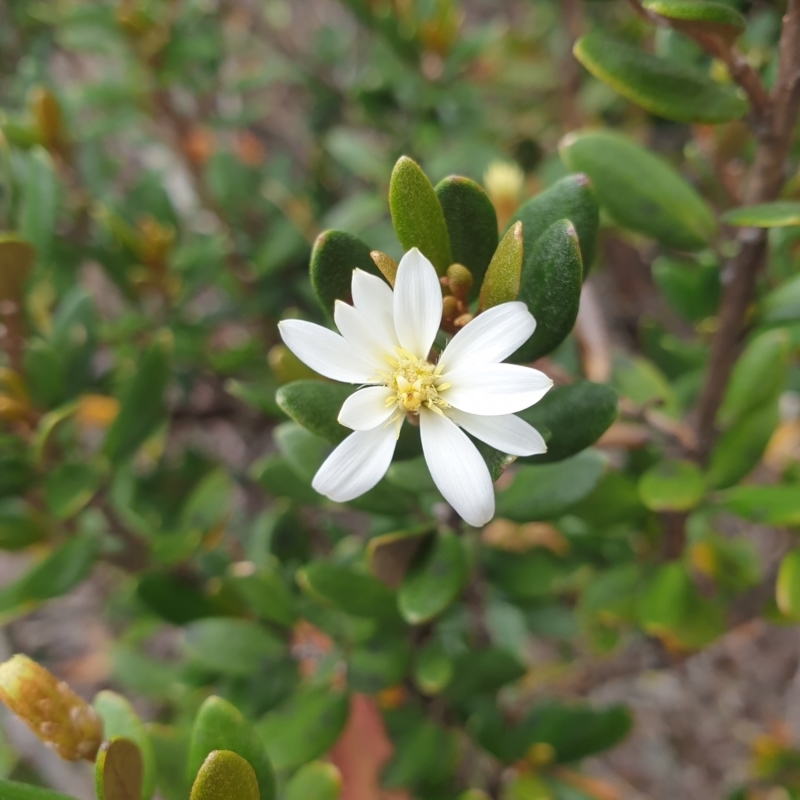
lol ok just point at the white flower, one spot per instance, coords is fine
(385, 345)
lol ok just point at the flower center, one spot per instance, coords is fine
(415, 383)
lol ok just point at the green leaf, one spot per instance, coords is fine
(433, 669)
(172, 751)
(769, 505)
(573, 198)
(501, 284)
(352, 592)
(40, 198)
(378, 663)
(275, 476)
(758, 376)
(120, 720)
(783, 303)
(220, 725)
(471, 225)
(319, 780)
(174, 598)
(482, 672)
(576, 416)
(225, 776)
(118, 770)
(787, 587)
(264, 591)
(11, 790)
(69, 488)
(551, 288)
(231, 646)
(672, 486)
(141, 407)
(692, 289)
(525, 576)
(304, 452)
(780, 214)
(425, 754)
(660, 86)
(20, 526)
(60, 571)
(334, 257)
(739, 449)
(640, 190)
(546, 491)
(305, 727)
(316, 405)
(16, 262)
(699, 18)
(390, 555)
(434, 581)
(417, 216)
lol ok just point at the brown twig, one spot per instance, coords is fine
(773, 139)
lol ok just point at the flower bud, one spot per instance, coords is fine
(50, 709)
(459, 279)
(450, 308)
(386, 264)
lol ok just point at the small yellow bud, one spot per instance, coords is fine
(386, 264)
(96, 410)
(50, 709)
(503, 182)
(459, 279)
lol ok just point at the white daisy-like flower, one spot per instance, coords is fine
(385, 346)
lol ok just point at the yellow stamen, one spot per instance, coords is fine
(414, 383)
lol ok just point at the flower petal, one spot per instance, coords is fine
(491, 337)
(357, 464)
(367, 409)
(457, 468)
(508, 433)
(374, 300)
(417, 303)
(355, 327)
(326, 352)
(495, 389)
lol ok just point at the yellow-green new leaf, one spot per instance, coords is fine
(119, 770)
(318, 780)
(225, 776)
(660, 86)
(417, 215)
(699, 18)
(672, 486)
(780, 214)
(501, 284)
(787, 588)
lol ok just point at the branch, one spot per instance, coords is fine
(773, 140)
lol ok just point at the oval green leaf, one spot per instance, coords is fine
(501, 283)
(787, 587)
(20, 526)
(573, 198)
(471, 225)
(118, 770)
(551, 288)
(769, 505)
(692, 289)
(699, 18)
(225, 776)
(576, 416)
(660, 86)
(780, 214)
(672, 486)
(319, 780)
(12, 790)
(220, 725)
(783, 303)
(434, 581)
(640, 190)
(69, 488)
(264, 591)
(316, 405)
(417, 216)
(334, 257)
(433, 669)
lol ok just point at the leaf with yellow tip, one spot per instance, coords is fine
(225, 776)
(501, 284)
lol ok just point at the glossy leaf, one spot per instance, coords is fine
(220, 725)
(304, 727)
(40, 198)
(434, 580)
(304, 452)
(316, 405)
(482, 672)
(141, 405)
(275, 476)
(692, 289)
(783, 304)
(640, 190)
(264, 591)
(119, 770)
(16, 262)
(390, 555)
(672, 486)
(433, 669)
(787, 588)
(501, 283)
(319, 780)
(69, 488)
(662, 87)
(698, 18)
(768, 505)
(174, 598)
(780, 214)
(120, 720)
(546, 491)
(417, 216)
(379, 663)
(551, 288)
(334, 257)
(573, 198)
(471, 225)
(354, 593)
(575, 416)
(231, 646)
(225, 776)
(20, 526)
